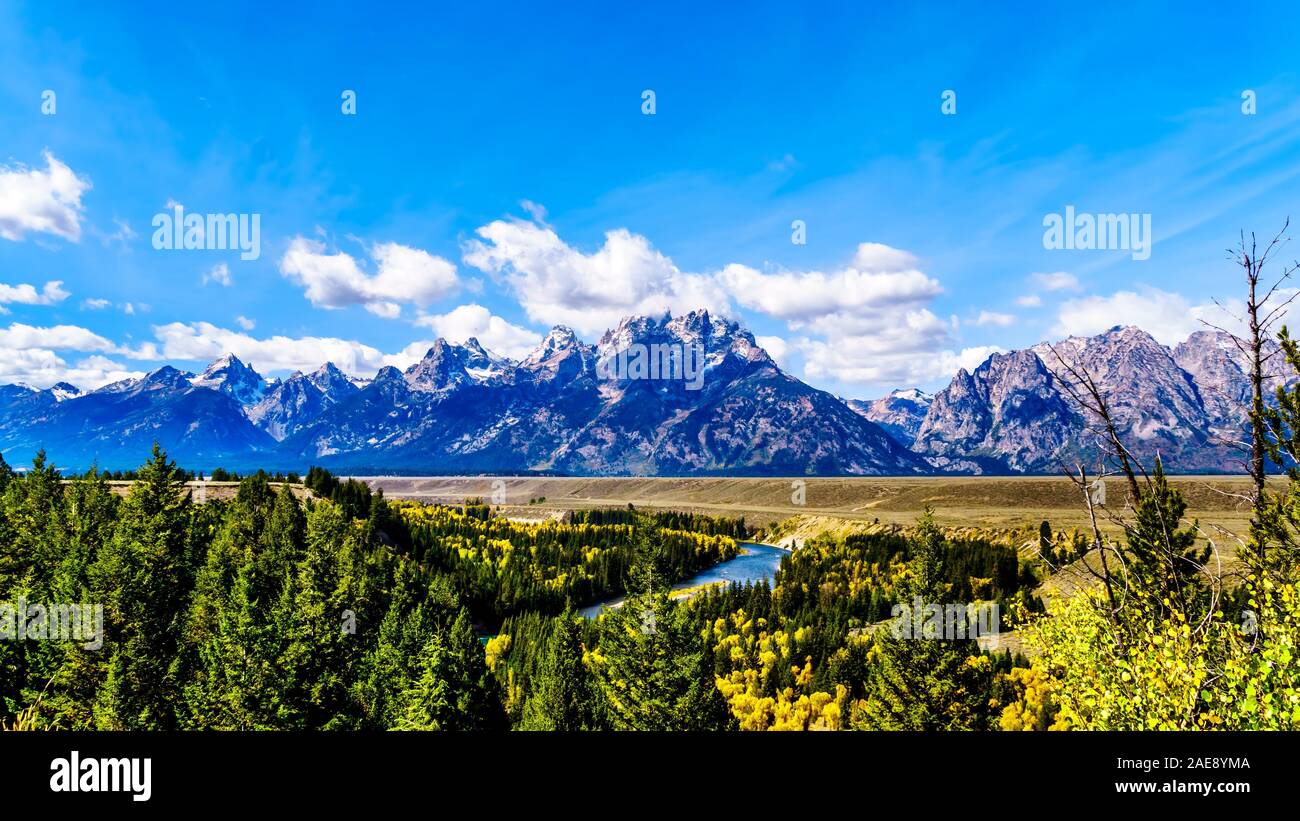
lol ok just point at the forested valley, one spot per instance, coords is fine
(323, 605)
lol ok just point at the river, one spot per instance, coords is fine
(756, 562)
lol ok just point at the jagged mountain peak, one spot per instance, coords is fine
(329, 378)
(229, 375)
(559, 341)
(915, 395)
(63, 391)
(328, 371)
(693, 326)
(1015, 411)
(167, 377)
(447, 365)
(717, 335)
(475, 348)
(1221, 369)
(553, 411)
(437, 368)
(226, 360)
(703, 327)
(559, 356)
(1108, 343)
(900, 413)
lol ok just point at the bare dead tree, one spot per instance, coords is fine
(1264, 308)
(1079, 384)
(1098, 543)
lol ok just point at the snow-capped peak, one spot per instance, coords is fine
(63, 390)
(916, 395)
(558, 339)
(232, 377)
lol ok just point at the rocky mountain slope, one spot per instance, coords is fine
(690, 395)
(567, 407)
(1015, 413)
(900, 413)
(112, 426)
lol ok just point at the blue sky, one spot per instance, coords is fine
(500, 176)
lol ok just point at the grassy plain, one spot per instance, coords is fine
(998, 502)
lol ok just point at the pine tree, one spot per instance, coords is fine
(477, 701)
(428, 703)
(90, 511)
(1163, 561)
(925, 683)
(562, 697)
(1275, 530)
(141, 577)
(315, 663)
(389, 668)
(33, 507)
(652, 669)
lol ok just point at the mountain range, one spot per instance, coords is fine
(1015, 413)
(461, 409)
(563, 409)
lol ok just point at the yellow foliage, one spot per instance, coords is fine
(1155, 672)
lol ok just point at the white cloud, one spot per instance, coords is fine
(24, 294)
(967, 358)
(1030, 301)
(993, 318)
(123, 231)
(403, 275)
(880, 281)
(872, 316)
(245, 323)
(1055, 281)
(535, 210)
(29, 354)
(220, 274)
(409, 355)
(41, 368)
(492, 332)
(876, 256)
(37, 201)
(203, 342)
(776, 347)
(558, 284)
(63, 338)
(94, 304)
(1167, 316)
(843, 361)
(911, 348)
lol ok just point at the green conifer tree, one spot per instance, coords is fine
(562, 697)
(920, 682)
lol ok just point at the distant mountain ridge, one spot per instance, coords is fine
(900, 413)
(1014, 413)
(463, 409)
